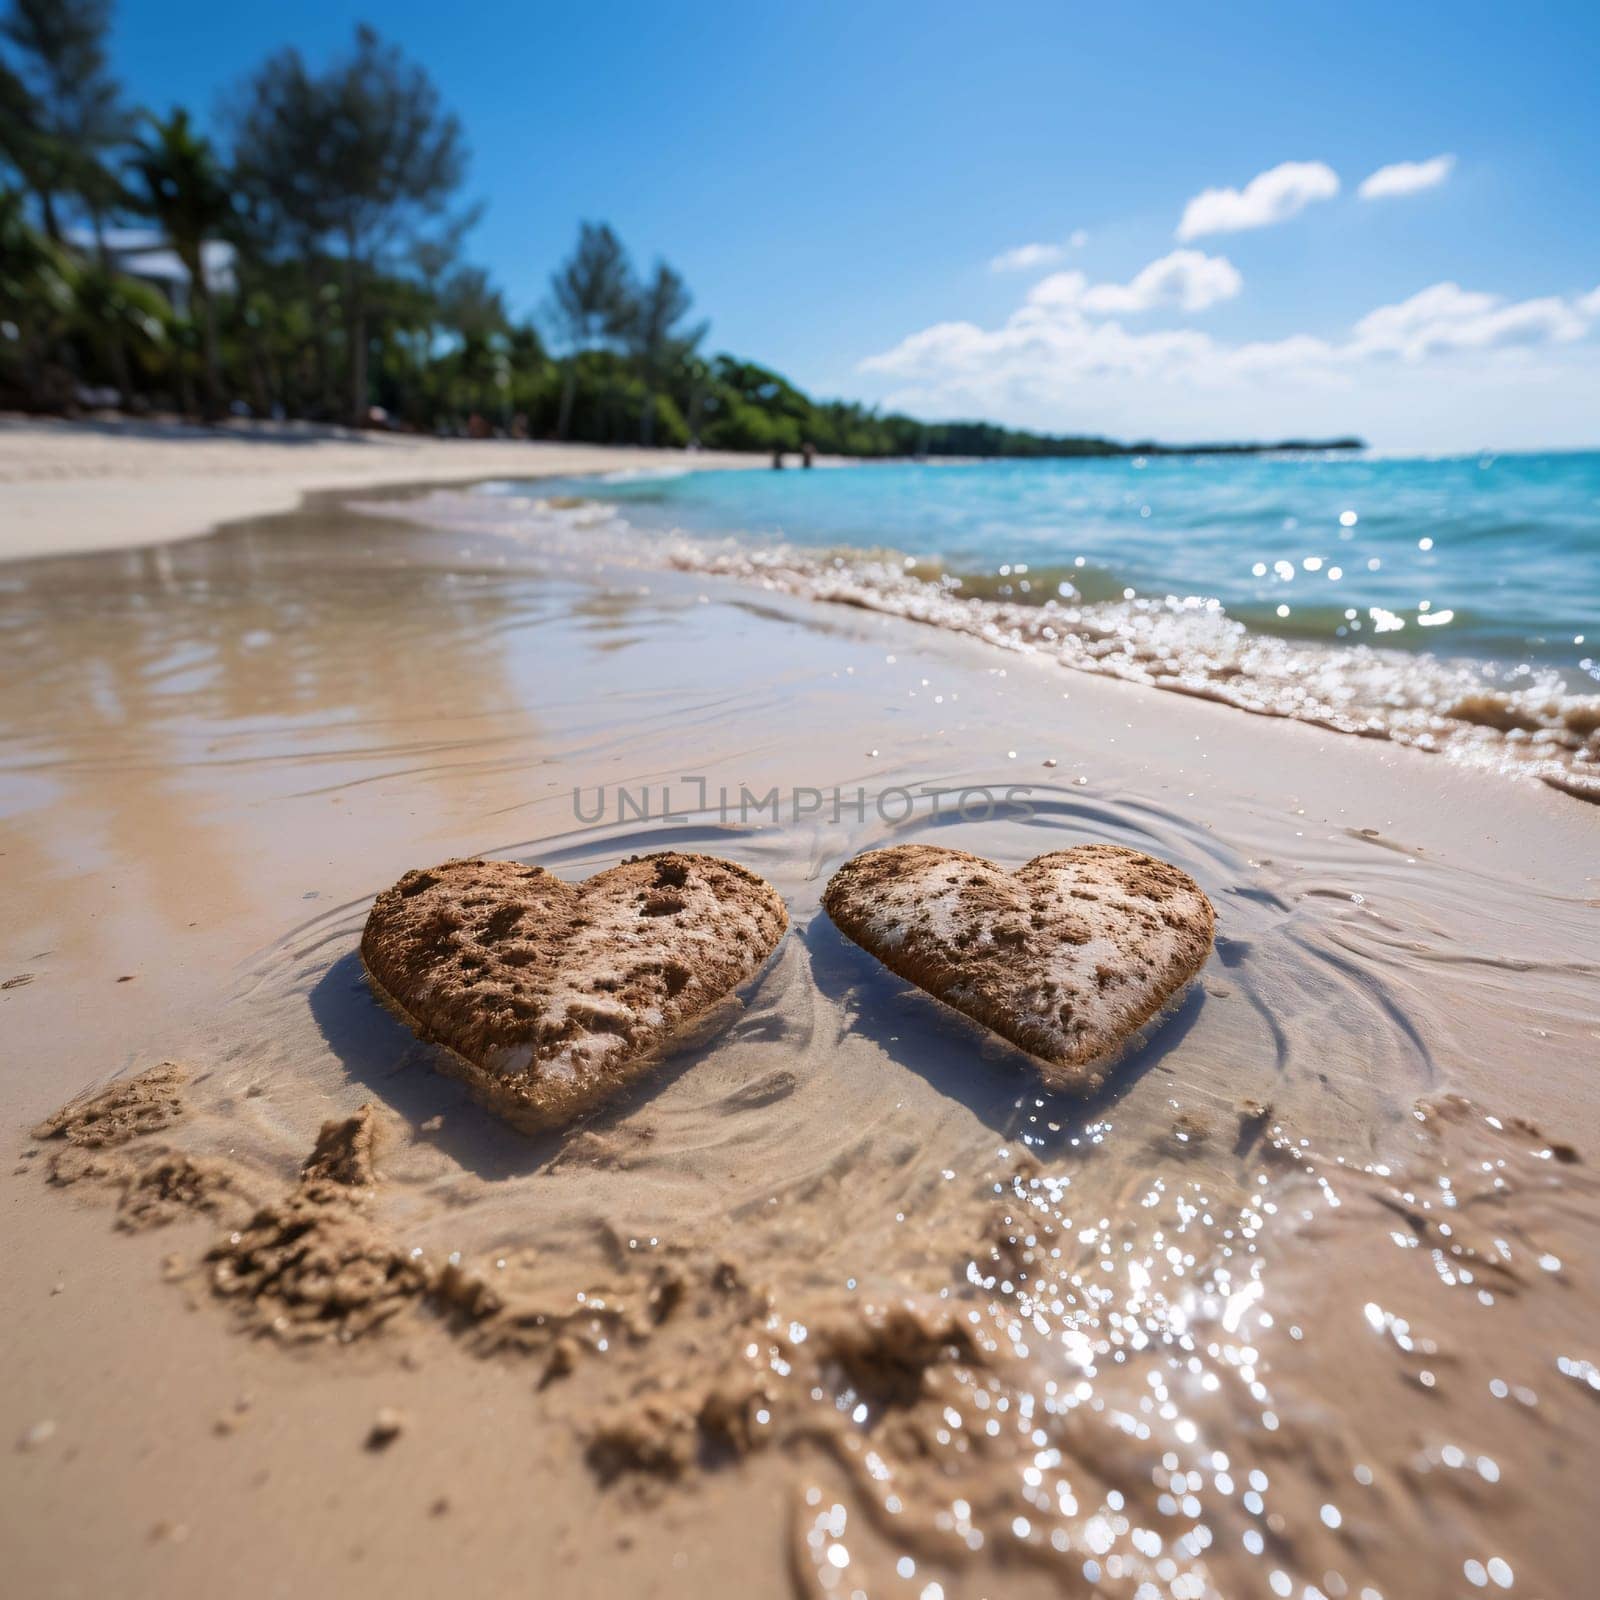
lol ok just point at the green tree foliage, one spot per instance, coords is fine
(72, 118)
(651, 328)
(182, 187)
(590, 294)
(36, 304)
(63, 110)
(355, 160)
(112, 313)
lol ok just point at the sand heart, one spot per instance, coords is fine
(552, 996)
(1067, 956)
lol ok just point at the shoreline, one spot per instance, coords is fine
(67, 488)
(1469, 711)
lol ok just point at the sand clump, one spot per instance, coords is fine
(314, 1265)
(131, 1108)
(776, 1384)
(1067, 957)
(311, 1264)
(388, 1424)
(103, 1140)
(552, 997)
(318, 1264)
(171, 1185)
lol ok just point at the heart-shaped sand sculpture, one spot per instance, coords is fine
(552, 996)
(1067, 957)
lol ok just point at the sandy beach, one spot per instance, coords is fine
(78, 486)
(840, 1300)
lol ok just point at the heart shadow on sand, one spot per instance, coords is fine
(380, 1052)
(961, 1058)
(408, 1075)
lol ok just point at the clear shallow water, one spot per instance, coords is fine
(1490, 557)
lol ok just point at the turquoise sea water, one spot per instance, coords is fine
(1488, 557)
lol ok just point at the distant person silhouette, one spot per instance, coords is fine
(777, 460)
(808, 454)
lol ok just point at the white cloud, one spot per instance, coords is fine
(1059, 291)
(1026, 258)
(1448, 317)
(1272, 196)
(1030, 257)
(1034, 349)
(1406, 177)
(1053, 364)
(1186, 280)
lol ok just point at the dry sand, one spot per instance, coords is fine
(840, 1299)
(67, 487)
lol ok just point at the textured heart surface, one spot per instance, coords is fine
(1066, 957)
(552, 996)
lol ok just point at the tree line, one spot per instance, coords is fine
(320, 239)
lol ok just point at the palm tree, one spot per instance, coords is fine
(473, 309)
(183, 190)
(36, 290)
(651, 329)
(71, 115)
(589, 294)
(115, 317)
(354, 159)
(432, 257)
(64, 110)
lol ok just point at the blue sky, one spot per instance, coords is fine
(835, 181)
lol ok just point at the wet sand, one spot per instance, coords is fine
(840, 1299)
(1527, 724)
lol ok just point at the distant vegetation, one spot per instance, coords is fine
(308, 265)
